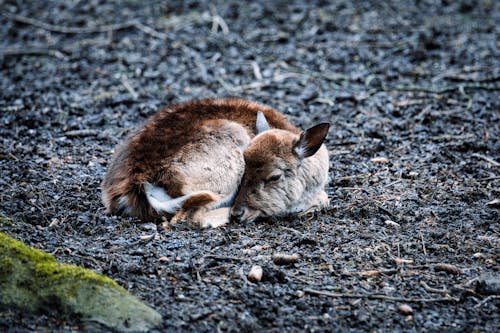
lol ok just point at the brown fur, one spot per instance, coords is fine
(159, 152)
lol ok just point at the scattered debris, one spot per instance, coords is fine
(402, 83)
(285, 259)
(448, 268)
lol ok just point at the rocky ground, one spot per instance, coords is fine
(411, 88)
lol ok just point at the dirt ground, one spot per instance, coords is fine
(411, 89)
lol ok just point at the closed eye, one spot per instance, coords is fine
(273, 178)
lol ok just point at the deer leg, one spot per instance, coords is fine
(213, 218)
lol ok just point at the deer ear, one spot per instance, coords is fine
(261, 124)
(310, 140)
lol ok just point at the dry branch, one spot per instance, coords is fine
(381, 297)
(68, 30)
(86, 30)
(445, 89)
(33, 51)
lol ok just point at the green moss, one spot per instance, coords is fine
(6, 268)
(55, 272)
(5, 220)
(34, 281)
(9, 246)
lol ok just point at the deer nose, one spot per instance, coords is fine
(237, 213)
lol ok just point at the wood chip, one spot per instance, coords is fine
(54, 222)
(405, 309)
(448, 268)
(369, 273)
(495, 203)
(147, 238)
(400, 261)
(81, 133)
(379, 160)
(255, 274)
(391, 223)
(285, 259)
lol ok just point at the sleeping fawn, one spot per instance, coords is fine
(207, 161)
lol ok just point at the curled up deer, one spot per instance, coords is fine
(209, 161)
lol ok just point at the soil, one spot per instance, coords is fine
(411, 240)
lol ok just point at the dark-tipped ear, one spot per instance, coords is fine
(261, 124)
(310, 140)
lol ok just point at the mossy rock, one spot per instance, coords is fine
(34, 281)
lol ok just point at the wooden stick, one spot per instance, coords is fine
(486, 300)
(443, 90)
(68, 30)
(487, 159)
(33, 51)
(86, 30)
(433, 290)
(381, 297)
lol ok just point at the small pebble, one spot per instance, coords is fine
(163, 259)
(255, 274)
(405, 309)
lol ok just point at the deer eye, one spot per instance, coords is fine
(273, 178)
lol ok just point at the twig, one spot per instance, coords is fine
(433, 290)
(443, 90)
(129, 88)
(486, 300)
(257, 84)
(487, 159)
(256, 70)
(218, 21)
(34, 51)
(374, 272)
(361, 175)
(82, 132)
(381, 297)
(469, 78)
(292, 230)
(69, 30)
(423, 244)
(393, 183)
(211, 256)
(487, 179)
(149, 31)
(86, 30)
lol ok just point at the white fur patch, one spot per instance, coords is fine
(156, 192)
(161, 201)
